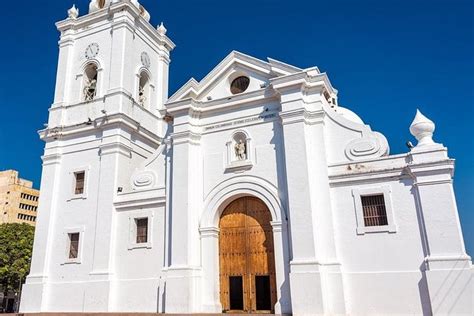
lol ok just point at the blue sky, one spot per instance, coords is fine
(386, 58)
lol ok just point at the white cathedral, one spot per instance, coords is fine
(250, 191)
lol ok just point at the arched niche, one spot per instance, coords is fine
(239, 152)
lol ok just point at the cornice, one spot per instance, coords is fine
(142, 198)
(51, 159)
(199, 108)
(367, 176)
(115, 148)
(314, 117)
(370, 171)
(293, 116)
(190, 86)
(306, 80)
(431, 168)
(186, 137)
(119, 120)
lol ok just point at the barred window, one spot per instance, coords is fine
(80, 178)
(142, 230)
(73, 245)
(375, 213)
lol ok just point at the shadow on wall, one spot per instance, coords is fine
(285, 297)
(161, 297)
(424, 292)
(423, 282)
(449, 282)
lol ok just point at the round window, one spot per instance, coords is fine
(239, 85)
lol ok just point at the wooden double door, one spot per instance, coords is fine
(246, 257)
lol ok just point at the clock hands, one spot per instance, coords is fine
(92, 50)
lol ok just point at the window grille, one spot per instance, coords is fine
(80, 178)
(73, 245)
(375, 213)
(142, 230)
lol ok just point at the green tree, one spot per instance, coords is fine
(16, 246)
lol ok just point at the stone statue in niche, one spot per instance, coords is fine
(90, 89)
(240, 150)
(141, 96)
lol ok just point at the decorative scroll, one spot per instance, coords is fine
(372, 146)
(143, 179)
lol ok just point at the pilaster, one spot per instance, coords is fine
(314, 265)
(210, 284)
(64, 71)
(282, 255)
(113, 155)
(305, 281)
(448, 267)
(184, 273)
(34, 292)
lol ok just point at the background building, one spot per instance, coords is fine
(18, 199)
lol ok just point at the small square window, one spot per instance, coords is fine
(79, 183)
(73, 245)
(374, 210)
(142, 230)
(375, 213)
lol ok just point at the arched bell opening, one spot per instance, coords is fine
(90, 82)
(144, 89)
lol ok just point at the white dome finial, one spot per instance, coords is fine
(422, 128)
(162, 29)
(73, 12)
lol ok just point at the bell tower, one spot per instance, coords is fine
(111, 61)
(106, 119)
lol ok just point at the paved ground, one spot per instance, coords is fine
(123, 314)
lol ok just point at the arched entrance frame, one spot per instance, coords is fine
(215, 203)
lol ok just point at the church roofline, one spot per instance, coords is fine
(282, 65)
(272, 66)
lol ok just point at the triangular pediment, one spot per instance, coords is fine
(216, 84)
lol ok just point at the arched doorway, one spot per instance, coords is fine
(246, 257)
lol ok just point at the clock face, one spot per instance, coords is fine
(92, 50)
(146, 60)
